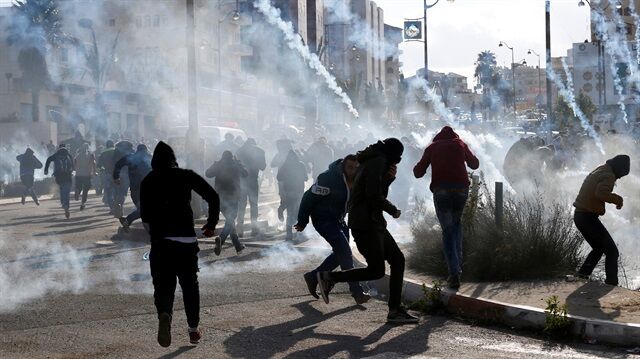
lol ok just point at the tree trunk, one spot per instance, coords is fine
(35, 105)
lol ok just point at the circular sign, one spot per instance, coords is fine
(587, 87)
(587, 76)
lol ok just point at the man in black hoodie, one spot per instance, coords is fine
(253, 158)
(228, 173)
(165, 209)
(63, 173)
(378, 165)
(28, 164)
(291, 176)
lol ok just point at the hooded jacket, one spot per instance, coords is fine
(320, 155)
(28, 163)
(62, 165)
(292, 174)
(227, 172)
(165, 197)
(597, 188)
(252, 157)
(85, 162)
(370, 189)
(138, 166)
(447, 156)
(327, 199)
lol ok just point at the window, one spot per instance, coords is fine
(147, 21)
(156, 21)
(112, 22)
(138, 21)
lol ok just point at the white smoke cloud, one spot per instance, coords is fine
(294, 41)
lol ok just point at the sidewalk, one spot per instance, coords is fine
(598, 312)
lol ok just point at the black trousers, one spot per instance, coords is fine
(27, 181)
(83, 184)
(377, 246)
(170, 260)
(601, 243)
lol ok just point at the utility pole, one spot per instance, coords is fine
(194, 147)
(550, 116)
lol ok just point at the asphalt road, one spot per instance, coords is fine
(62, 295)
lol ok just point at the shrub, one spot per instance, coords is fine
(556, 321)
(431, 301)
(537, 239)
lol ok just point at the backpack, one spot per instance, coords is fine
(64, 165)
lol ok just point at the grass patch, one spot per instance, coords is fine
(537, 239)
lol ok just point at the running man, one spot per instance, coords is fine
(165, 209)
(378, 166)
(326, 203)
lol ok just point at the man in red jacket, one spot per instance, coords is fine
(447, 156)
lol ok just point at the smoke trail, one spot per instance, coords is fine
(636, 20)
(492, 171)
(584, 122)
(623, 46)
(612, 52)
(294, 42)
(360, 33)
(567, 94)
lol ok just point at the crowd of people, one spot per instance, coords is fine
(350, 192)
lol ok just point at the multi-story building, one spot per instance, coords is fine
(393, 38)
(530, 85)
(607, 81)
(615, 16)
(356, 49)
(143, 68)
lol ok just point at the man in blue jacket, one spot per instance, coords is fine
(326, 203)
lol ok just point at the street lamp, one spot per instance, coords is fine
(539, 76)
(426, 51)
(513, 74)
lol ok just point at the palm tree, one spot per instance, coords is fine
(485, 68)
(36, 27)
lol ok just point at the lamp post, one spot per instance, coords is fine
(426, 49)
(530, 52)
(513, 74)
(235, 16)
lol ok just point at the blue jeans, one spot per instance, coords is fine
(449, 207)
(337, 235)
(65, 193)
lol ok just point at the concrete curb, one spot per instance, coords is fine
(512, 315)
(518, 316)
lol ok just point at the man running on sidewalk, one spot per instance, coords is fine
(165, 208)
(449, 157)
(63, 173)
(326, 203)
(28, 164)
(138, 166)
(378, 164)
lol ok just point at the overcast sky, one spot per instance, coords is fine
(459, 30)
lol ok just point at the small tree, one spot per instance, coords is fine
(36, 27)
(586, 106)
